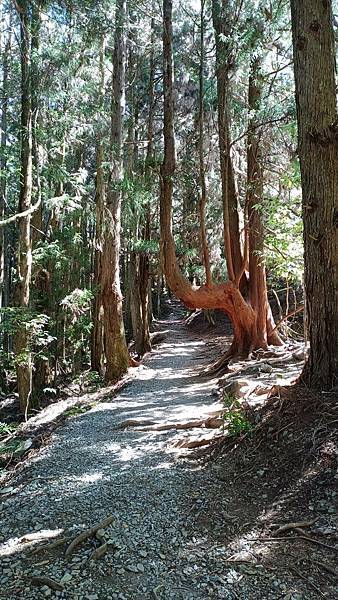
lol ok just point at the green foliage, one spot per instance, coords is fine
(77, 410)
(78, 302)
(15, 447)
(7, 428)
(145, 246)
(36, 325)
(94, 379)
(234, 416)
(52, 254)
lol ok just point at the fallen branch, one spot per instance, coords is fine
(134, 423)
(295, 525)
(191, 444)
(330, 569)
(290, 314)
(85, 535)
(51, 583)
(209, 423)
(294, 538)
(308, 582)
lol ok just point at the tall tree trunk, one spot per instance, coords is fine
(97, 310)
(3, 199)
(203, 188)
(133, 280)
(258, 296)
(222, 21)
(115, 345)
(144, 267)
(139, 261)
(42, 372)
(314, 66)
(24, 255)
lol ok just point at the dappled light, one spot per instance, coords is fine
(168, 300)
(28, 540)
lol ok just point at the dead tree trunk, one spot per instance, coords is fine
(115, 345)
(24, 255)
(314, 65)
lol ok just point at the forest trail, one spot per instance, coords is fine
(166, 539)
(92, 469)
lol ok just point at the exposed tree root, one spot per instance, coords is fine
(198, 443)
(297, 525)
(134, 423)
(85, 535)
(157, 337)
(99, 552)
(219, 367)
(212, 422)
(51, 546)
(51, 583)
(133, 362)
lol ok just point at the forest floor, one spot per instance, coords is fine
(251, 518)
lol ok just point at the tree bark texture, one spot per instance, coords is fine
(115, 345)
(24, 254)
(226, 296)
(258, 296)
(100, 194)
(314, 66)
(203, 187)
(221, 15)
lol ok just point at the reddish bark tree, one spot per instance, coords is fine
(250, 317)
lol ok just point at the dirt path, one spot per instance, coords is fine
(175, 525)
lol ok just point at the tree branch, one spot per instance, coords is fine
(21, 215)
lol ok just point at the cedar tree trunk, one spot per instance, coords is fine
(115, 345)
(314, 65)
(24, 255)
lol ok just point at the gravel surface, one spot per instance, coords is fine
(157, 544)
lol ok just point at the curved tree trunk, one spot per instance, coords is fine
(314, 64)
(249, 325)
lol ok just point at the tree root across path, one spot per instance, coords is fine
(212, 422)
(85, 535)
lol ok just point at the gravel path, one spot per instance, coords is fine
(176, 524)
(91, 470)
